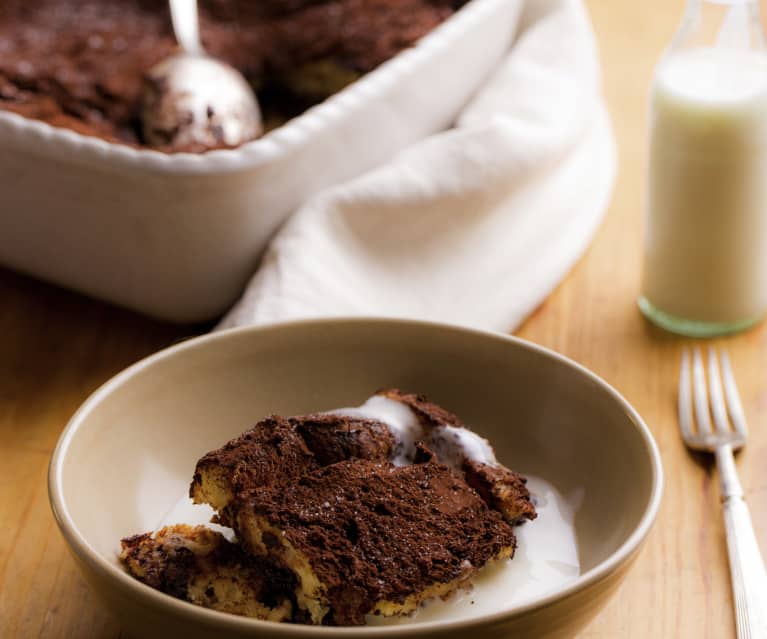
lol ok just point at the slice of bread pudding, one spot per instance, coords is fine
(339, 515)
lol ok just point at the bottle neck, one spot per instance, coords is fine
(696, 7)
(730, 24)
(727, 2)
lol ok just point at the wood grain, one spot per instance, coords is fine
(57, 347)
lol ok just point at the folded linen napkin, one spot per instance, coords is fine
(473, 226)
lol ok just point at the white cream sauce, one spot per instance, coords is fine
(452, 445)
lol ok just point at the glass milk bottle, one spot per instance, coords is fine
(705, 261)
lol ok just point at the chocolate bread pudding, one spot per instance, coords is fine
(335, 516)
(81, 64)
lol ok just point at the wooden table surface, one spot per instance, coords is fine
(57, 347)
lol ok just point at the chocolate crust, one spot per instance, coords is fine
(334, 438)
(375, 536)
(278, 450)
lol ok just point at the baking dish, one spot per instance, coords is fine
(177, 236)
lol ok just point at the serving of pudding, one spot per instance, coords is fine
(335, 517)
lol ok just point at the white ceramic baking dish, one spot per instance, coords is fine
(177, 236)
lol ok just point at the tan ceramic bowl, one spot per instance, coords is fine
(128, 454)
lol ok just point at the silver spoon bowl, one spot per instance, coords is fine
(193, 100)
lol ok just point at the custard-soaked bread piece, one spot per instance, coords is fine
(199, 565)
(279, 450)
(501, 489)
(366, 537)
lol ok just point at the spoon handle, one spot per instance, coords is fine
(186, 25)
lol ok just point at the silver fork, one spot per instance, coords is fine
(749, 580)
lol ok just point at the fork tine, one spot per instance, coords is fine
(685, 400)
(734, 406)
(699, 393)
(715, 396)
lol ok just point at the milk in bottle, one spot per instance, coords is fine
(705, 263)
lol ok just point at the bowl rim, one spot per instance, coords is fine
(83, 550)
(278, 143)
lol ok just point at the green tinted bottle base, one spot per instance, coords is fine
(691, 328)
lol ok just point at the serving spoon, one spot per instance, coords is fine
(191, 99)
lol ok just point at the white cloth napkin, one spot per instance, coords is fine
(473, 226)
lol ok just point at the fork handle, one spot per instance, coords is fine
(749, 580)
